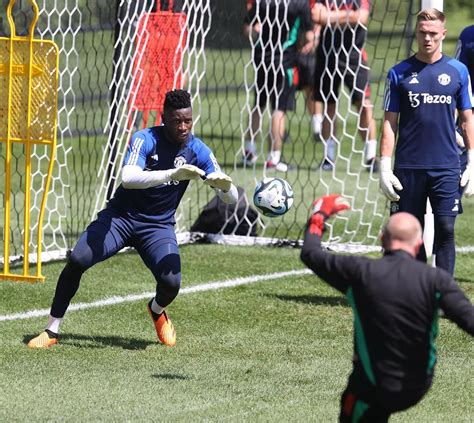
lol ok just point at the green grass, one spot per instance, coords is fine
(278, 350)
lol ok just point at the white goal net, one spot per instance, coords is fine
(105, 93)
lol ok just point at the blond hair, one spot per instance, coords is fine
(430, 14)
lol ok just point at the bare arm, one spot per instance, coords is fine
(323, 16)
(389, 133)
(466, 120)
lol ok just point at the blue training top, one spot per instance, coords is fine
(465, 50)
(426, 96)
(151, 150)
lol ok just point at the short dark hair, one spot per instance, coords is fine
(177, 99)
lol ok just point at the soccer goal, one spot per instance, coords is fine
(104, 50)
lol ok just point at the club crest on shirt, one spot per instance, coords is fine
(394, 207)
(444, 79)
(179, 161)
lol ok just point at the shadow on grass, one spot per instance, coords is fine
(314, 299)
(170, 376)
(464, 280)
(84, 341)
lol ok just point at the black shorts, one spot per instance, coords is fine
(331, 69)
(280, 89)
(306, 68)
(362, 401)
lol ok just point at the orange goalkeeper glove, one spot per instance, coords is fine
(323, 208)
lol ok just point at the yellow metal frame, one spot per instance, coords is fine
(15, 74)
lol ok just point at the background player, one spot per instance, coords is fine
(275, 60)
(306, 68)
(157, 168)
(465, 54)
(394, 301)
(421, 96)
(341, 55)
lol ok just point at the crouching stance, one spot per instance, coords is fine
(156, 171)
(395, 301)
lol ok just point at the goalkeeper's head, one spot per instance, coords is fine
(177, 116)
(176, 100)
(402, 232)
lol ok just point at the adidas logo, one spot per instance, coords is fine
(154, 157)
(456, 205)
(414, 80)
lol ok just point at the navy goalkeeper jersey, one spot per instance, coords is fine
(151, 150)
(426, 96)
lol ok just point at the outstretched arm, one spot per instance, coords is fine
(223, 186)
(134, 177)
(337, 270)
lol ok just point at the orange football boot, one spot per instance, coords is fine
(164, 328)
(42, 341)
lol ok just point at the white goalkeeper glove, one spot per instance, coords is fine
(467, 179)
(219, 180)
(186, 172)
(460, 140)
(388, 181)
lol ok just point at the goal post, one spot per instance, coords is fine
(99, 48)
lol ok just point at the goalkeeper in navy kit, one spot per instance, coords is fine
(156, 171)
(422, 94)
(395, 301)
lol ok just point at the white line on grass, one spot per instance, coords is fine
(211, 286)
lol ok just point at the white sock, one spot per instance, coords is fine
(370, 150)
(316, 123)
(274, 156)
(53, 324)
(250, 146)
(331, 149)
(156, 308)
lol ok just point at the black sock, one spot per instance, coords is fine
(51, 334)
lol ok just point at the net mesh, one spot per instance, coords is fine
(99, 51)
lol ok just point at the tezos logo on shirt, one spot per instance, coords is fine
(426, 98)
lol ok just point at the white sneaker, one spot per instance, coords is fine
(279, 167)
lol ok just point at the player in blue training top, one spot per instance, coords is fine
(421, 96)
(465, 54)
(157, 168)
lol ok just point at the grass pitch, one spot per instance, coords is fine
(276, 350)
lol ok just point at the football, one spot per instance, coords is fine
(273, 197)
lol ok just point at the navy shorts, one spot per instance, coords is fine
(441, 186)
(279, 89)
(112, 231)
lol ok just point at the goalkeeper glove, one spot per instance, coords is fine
(186, 172)
(323, 208)
(467, 179)
(219, 180)
(460, 138)
(388, 181)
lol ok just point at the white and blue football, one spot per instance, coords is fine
(273, 197)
